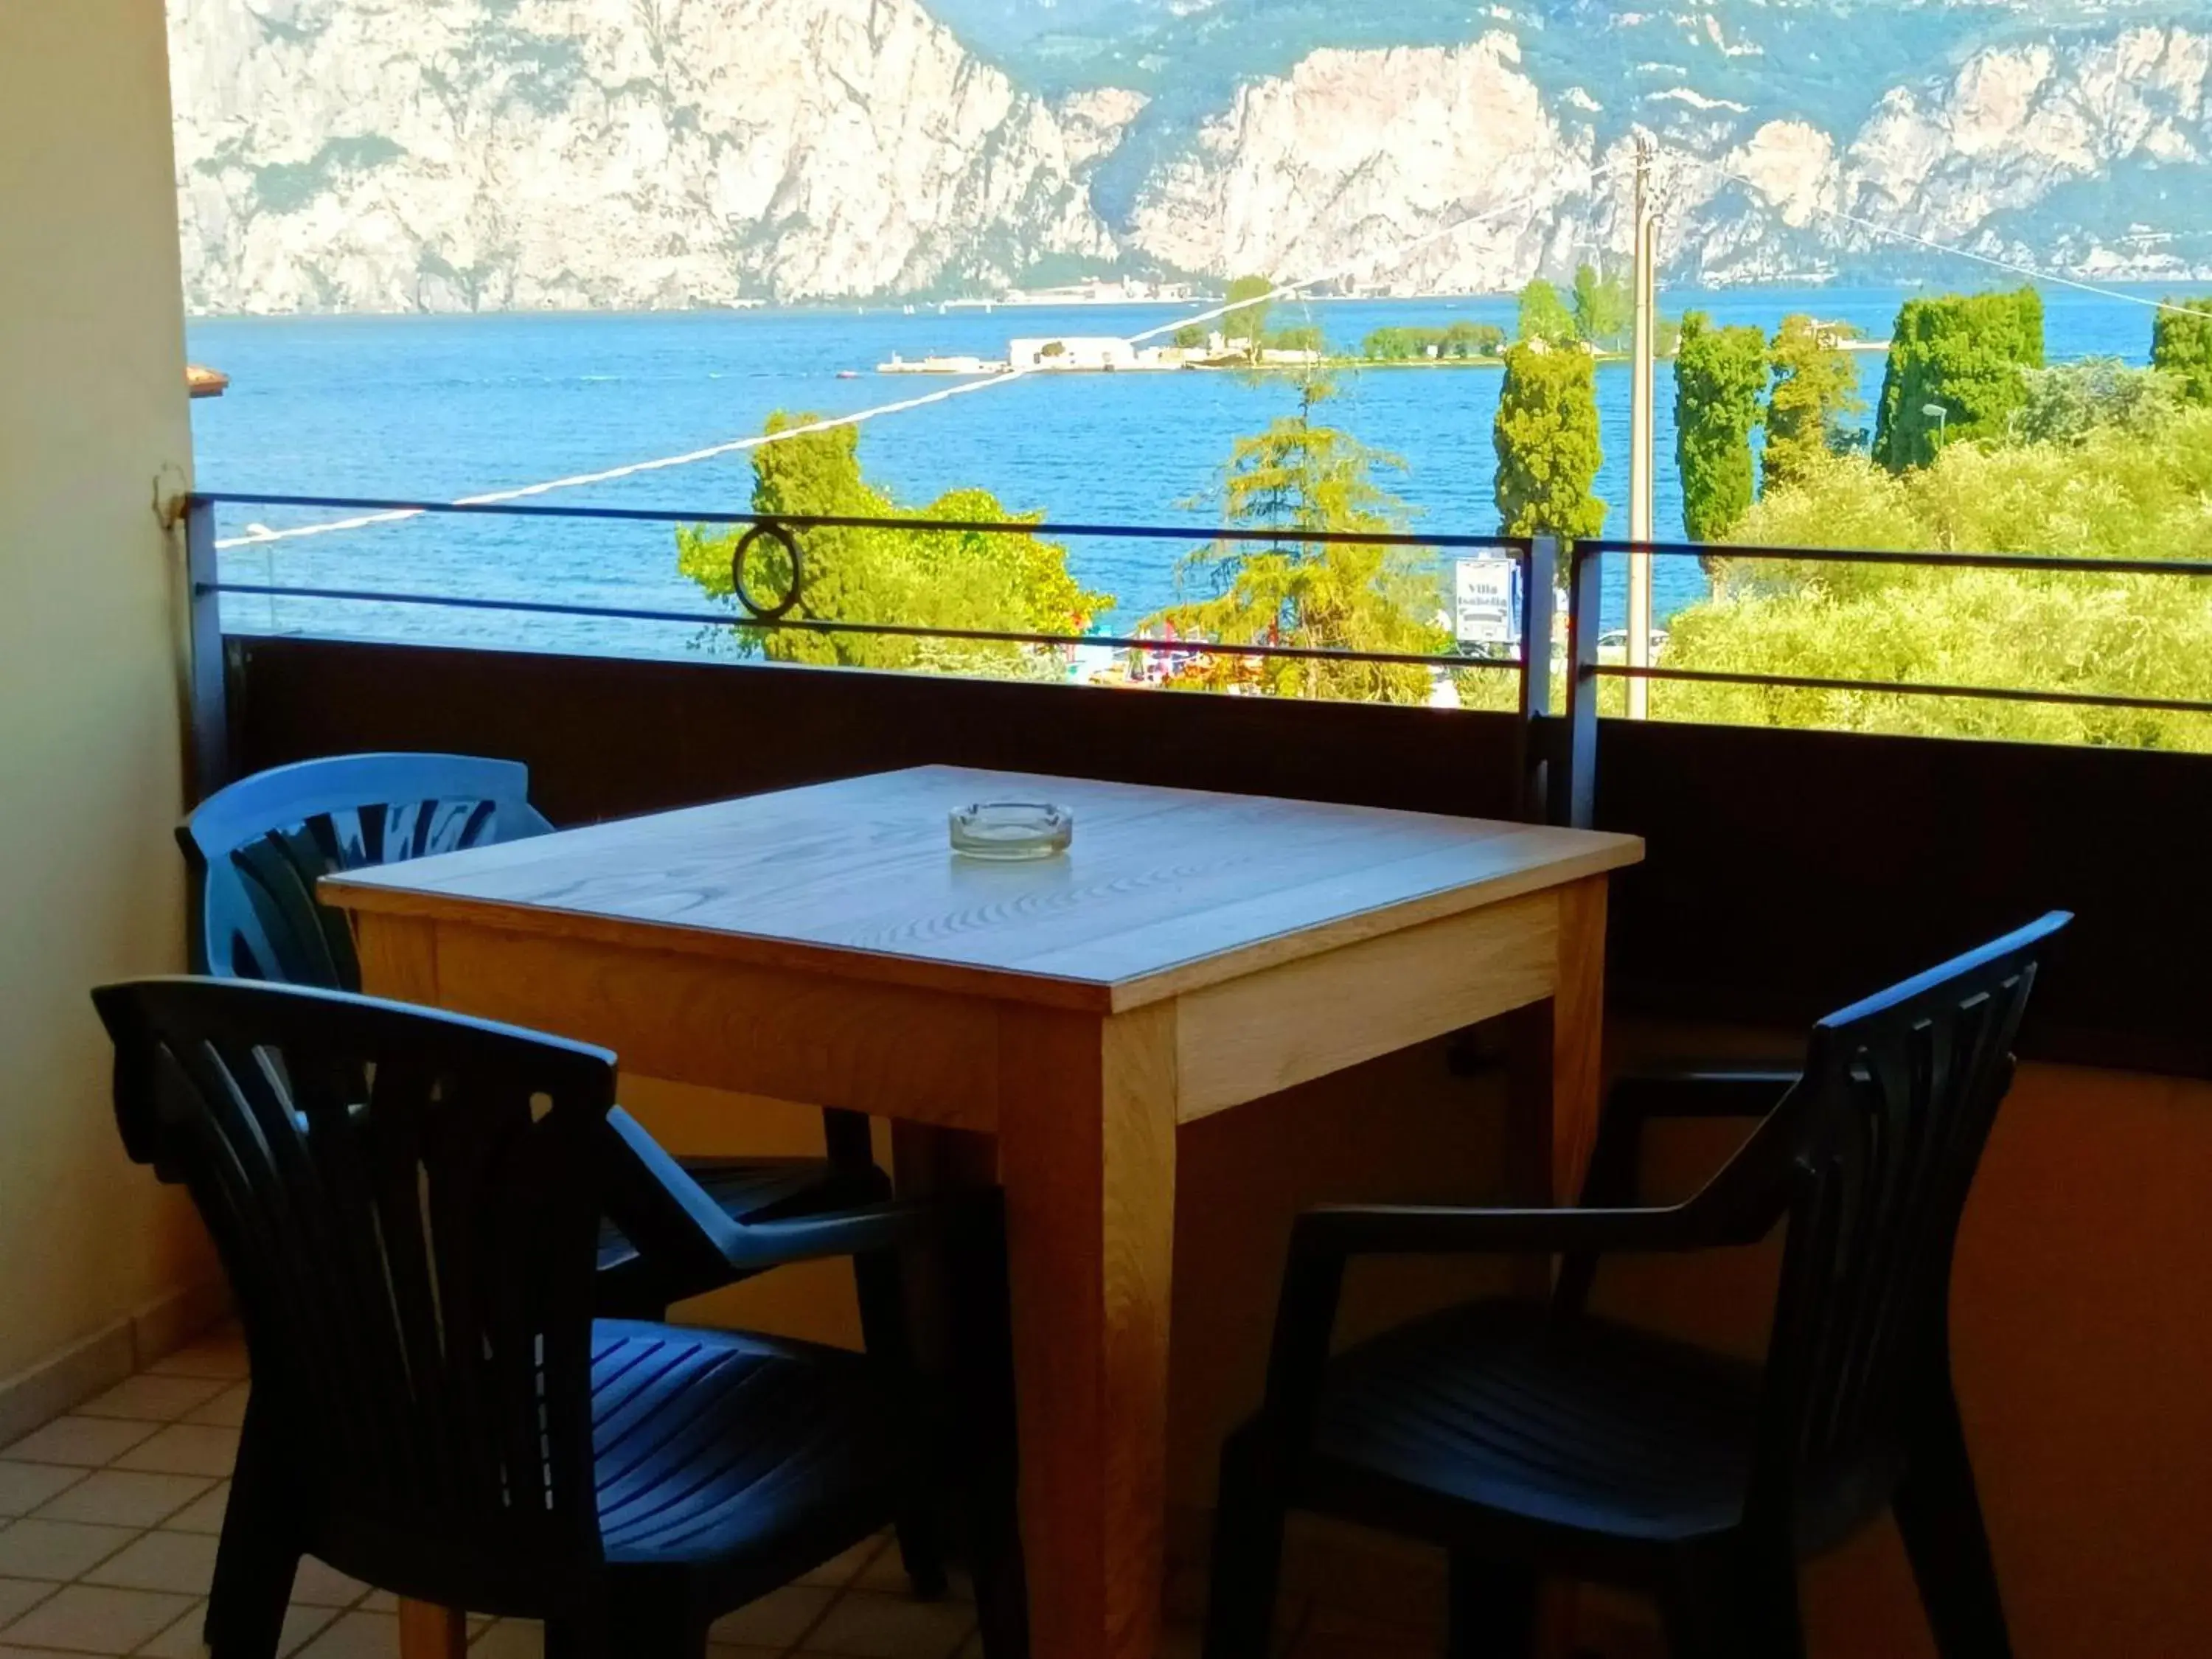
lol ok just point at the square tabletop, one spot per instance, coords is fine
(1163, 890)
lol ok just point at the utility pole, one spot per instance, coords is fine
(1641, 427)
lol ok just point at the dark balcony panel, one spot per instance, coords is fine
(607, 736)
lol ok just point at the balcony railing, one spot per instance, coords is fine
(1561, 757)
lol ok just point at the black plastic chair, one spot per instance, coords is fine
(255, 850)
(1532, 1437)
(407, 1205)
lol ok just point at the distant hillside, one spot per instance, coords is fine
(480, 153)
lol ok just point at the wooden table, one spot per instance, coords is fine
(1191, 952)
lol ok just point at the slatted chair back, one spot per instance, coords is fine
(257, 848)
(406, 1205)
(1882, 1136)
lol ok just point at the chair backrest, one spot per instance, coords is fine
(406, 1204)
(1882, 1139)
(257, 848)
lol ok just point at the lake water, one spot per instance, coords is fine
(439, 407)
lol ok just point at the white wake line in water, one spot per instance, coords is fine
(261, 536)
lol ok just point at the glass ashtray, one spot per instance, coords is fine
(1005, 831)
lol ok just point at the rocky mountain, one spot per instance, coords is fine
(494, 154)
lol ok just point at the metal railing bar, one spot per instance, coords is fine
(901, 630)
(1904, 687)
(1515, 545)
(2048, 562)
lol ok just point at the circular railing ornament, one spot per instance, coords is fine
(783, 538)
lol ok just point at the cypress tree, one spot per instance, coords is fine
(1962, 352)
(1815, 384)
(1719, 373)
(1544, 316)
(2181, 344)
(1547, 436)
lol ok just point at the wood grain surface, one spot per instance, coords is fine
(1164, 891)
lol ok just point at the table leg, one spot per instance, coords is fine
(1556, 1081)
(1556, 1075)
(429, 1632)
(1086, 1154)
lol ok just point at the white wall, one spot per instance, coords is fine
(92, 424)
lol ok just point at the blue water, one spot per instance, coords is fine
(439, 407)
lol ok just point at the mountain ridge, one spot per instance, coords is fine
(337, 154)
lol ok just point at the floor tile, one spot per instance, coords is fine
(509, 1638)
(18, 1596)
(182, 1639)
(182, 1562)
(866, 1624)
(148, 1398)
(185, 1449)
(226, 1410)
(886, 1572)
(57, 1549)
(356, 1635)
(320, 1586)
(24, 1486)
(124, 1498)
(840, 1569)
(220, 1357)
(776, 1620)
(202, 1514)
(95, 1619)
(86, 1442)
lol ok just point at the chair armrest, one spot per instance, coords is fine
(1324, 1240)
(1346, 1230)
(1701, 1092)
(764, 1244)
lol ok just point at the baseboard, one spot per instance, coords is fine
(43, 1391)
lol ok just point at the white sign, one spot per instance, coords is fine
(1486, 601)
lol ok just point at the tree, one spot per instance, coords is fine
(1605, 309)
(1190, 337)
(1719, 373)
(1462, 342)
(1963, 353)
(1248, 321)
(1544, 316)
(1002, 581)
(1299, 475)
(2066, 403)
(1301, 337)
(2181, 344)
(1547, 437)
(1816, 387)
(2114, 493)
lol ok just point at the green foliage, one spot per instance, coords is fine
(931, 578)
(1462, 342)
(1547, 437)
(1964, 352)
(1303, 337)
(2112, 493)
(1605, 309)
(1191, 336)
(1544, 316)
(1299, 475)
(1248, 321)
(2181, 344)
(2067, 402)
(1816, 387)
(1719, 373)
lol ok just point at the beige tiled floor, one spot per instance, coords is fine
(108, 1520)
(109, 1517)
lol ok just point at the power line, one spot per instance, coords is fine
(261, 538)
(2013, 267)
